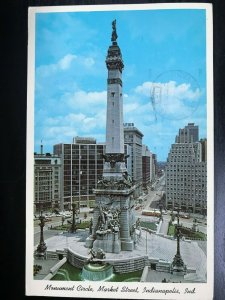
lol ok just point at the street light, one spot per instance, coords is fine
(41, 249)
(160, 208)
(178, 265)
(73, 228)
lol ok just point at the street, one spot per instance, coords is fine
(151, 202)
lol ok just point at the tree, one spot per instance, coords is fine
(172, 217)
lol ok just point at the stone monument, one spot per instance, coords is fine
(114, 216)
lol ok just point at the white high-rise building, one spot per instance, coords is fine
(186, 172)
(133, 137)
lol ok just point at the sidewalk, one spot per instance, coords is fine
(164, 227)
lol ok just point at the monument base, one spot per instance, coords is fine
(89, 242)
(127, 245)
(179, 270)
(109, 243)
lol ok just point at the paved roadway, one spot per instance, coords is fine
(55, 222)
(151, 202)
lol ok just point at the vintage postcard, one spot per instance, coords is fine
(120, 152)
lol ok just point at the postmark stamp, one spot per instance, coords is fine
(175, 94)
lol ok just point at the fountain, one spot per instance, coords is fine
(96, 269)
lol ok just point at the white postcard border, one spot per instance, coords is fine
(38, 288)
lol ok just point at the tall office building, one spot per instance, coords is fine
(47, 187)
(146, 159)
(149, 166)
(82, 167)
(133, 137)
(186, 172)
(204, 149)
(188, 134)
(153, 168)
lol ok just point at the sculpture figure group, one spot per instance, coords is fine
(96, 254)
(108, 220)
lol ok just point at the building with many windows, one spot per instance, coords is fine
(47, 182)
(188, 134)
(146, 163)
(133, 138)
(149, 167)
(82, 167)
(153, 167)
(186, 172)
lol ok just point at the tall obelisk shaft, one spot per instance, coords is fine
(114, 123)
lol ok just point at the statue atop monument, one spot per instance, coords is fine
(114, 34)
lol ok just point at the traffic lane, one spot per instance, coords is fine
(47, 225)
(150, 198)
(51, 219)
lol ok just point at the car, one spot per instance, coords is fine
(49, 215)
(184, 216)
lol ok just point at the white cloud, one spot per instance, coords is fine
(58, 131)
(169, 89)
(86, 100)
(63, 128)
(130, 107)
(64, 64)
(89, 62)
(170, 99)
(66, 61)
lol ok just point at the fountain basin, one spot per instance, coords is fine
(96, 271)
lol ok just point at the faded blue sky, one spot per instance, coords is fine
(71, 76)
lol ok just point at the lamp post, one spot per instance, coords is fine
(178, 264)
(41, 249)
(160, 208)
(73, 226)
